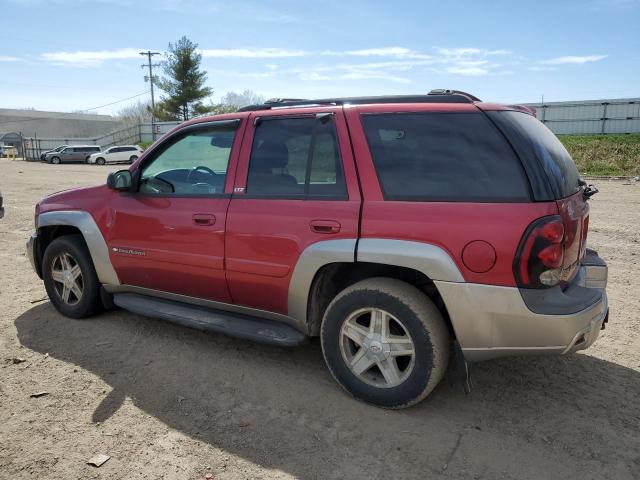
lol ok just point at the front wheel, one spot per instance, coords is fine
(100, 161)
(385, 342)
(55, 160)
(70, 278)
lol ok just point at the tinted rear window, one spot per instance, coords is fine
(534, 142)
(444, 157)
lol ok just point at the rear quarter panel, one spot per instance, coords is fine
(449, 225)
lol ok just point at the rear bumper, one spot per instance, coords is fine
(492, 321)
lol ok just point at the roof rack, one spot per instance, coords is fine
(434, 96)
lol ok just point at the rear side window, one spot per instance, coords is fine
(539, 147)
(296, 157)
(458, 157)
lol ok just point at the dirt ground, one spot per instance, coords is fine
(168, 402)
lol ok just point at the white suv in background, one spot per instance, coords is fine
(118, 154)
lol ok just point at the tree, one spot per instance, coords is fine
(239, 100)
(184, 83)
(138, 112)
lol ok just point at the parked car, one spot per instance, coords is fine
(72, 154)
(8, 151)
(119, 154)
(43, 155)
(394, 228)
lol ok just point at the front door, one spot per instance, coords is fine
(296, 185)
(169, 235)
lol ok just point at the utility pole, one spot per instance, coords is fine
(150, 65)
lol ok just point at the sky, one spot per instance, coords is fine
(65, 55)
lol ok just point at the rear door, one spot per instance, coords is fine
(296, 185)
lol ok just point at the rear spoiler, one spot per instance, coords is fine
(524, 109)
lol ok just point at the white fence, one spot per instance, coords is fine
(590, 117)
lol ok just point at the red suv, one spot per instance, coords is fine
(390, 227)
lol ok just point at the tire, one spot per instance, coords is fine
(76, 253)
(133, 158)
(100, 161)
(412, 319)
(56, 160)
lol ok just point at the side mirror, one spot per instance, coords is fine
(120, 180)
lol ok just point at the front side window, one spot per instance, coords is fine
(296, 157)
(443, 157)
(194, 163)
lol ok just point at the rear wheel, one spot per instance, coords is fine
(385, 342)
(133, 158)
(70, 278)
(55, 160)
(100, 161)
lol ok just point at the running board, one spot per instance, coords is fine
(202, 318)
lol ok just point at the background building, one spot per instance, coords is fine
(35, 123)
(619, 115)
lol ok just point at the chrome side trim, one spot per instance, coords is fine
(314, 257)
(84, 222)
(429, 259)
(227, 307)
(492, 321)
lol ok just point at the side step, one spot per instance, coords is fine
(202, 318)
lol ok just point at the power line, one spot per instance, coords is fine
(112, 103)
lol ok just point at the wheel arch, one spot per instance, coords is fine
(52, 225)
(326, 268)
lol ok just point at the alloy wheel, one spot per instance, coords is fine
(67, 278)
(377, 347)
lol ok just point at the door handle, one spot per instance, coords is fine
(324, 226)
(204, 219)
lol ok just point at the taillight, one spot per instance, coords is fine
(538, 262)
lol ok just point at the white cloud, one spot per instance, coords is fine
(89, 58)
(371, 74)
(470, 51)
(313, 76)
(467, 71)
(7, 58)
(573, 60)
(397, 52)
(538, 68)
(251, 53)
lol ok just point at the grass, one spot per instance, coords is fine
(605, 155)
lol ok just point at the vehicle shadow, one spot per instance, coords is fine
(575, 416)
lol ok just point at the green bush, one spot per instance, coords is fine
(605, 155)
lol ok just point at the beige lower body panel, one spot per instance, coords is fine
(492, 321)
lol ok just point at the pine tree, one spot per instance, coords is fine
(184, 83)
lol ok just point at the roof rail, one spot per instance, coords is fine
(434, 96)
(446, 91)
